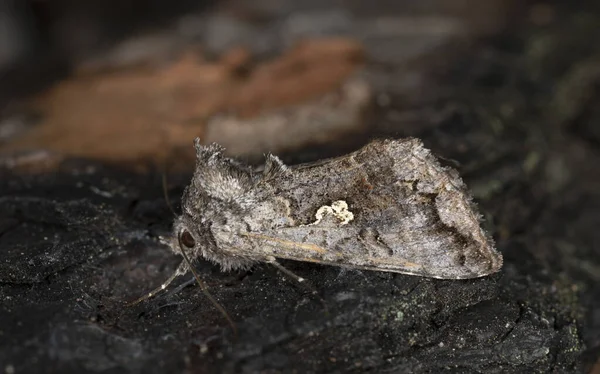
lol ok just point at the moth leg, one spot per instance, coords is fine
(181, 269)
(284, 270)
(273, 261)
(183, 285)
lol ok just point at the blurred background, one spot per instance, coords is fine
(136, 80)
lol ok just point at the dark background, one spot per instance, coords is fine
(100, 99)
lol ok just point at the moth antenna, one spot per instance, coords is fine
(204, 289)
(165, 193)
(163, 165)
(297, 278)
(162, 287)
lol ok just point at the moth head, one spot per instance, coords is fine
(184, 238)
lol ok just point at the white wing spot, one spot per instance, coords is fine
(339, 209)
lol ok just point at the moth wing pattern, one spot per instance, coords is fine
(408, 214)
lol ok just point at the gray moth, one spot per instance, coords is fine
(390, 206)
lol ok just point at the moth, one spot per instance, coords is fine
(389, 206)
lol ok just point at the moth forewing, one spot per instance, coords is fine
(409, 215)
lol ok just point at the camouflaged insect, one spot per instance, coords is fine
(389, 206)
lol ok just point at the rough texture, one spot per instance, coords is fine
(79, 240)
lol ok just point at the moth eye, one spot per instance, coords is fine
(187, 239)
